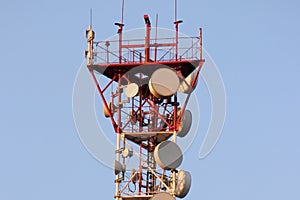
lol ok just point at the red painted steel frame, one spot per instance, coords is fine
(144, 106)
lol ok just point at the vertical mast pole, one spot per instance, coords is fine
(147, 39)
(200, 40)
(118, 152)
(90, 34)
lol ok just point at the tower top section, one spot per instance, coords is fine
(146, 70)
(134, 48)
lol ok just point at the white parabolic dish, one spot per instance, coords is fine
(185, 124)
(168, 155)
(164, 82)
(185, 86)
(132, 90)
(162, 196)
(183, 183)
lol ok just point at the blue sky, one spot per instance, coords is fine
(255, 45)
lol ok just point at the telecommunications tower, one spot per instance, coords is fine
(139, 79)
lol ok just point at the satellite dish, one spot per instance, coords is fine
(162, 196)
(164, 82)
(132, 90)
(106, 111)
(185, 124)
(168, 155)
(127, 153)
(183, 183)
(135, 176)
(185, 86)
(118, 167)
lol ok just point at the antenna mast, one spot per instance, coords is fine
(175, 10)
(91, 17)
(122, 15)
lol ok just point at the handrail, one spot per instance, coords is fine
(133, 50)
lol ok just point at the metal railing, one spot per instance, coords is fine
(133, 51)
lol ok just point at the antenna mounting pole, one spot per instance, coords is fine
(91, 17)
(175, 10)
(122, 15)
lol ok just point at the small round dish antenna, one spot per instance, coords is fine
(132, 90)
(118, 167)
(127, 153)
(185, 124)
(185, 86)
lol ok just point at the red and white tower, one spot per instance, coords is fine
(139, 81)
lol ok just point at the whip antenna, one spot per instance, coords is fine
(175, 10)
(122, 17)
(91, 17)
